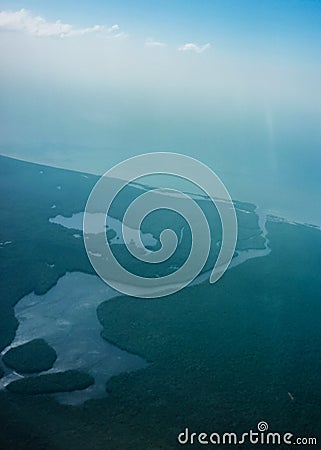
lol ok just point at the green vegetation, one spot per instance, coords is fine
(226, 355)
(36, 244)
(68, 381)
(41, 252)
(34, 356)
(222, 357)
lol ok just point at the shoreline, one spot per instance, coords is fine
(96, 175)
(66, 318)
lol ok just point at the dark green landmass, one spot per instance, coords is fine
(26, 201)
(29, 192)
(225, 355)
(71, 380)
(34, 356)
(255, 242)
(222, 357)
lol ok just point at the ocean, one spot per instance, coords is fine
(265, 153)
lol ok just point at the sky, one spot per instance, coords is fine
(235, 83)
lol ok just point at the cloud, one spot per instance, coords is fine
(190, 47)
(152, 43)
(24, 21)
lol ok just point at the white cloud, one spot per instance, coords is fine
(24, 21)
(190, 47)
(152, 43)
